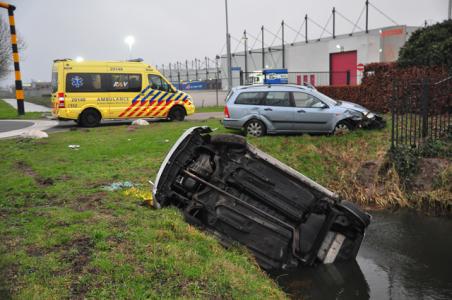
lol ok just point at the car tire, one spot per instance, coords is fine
(232, 140)
(176, 113)
(255, 128)
(342, 127)
(90, 117)
(353, 210)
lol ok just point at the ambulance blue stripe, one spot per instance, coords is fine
(179, 96)
(140, 94)
(147, 96)
(160, 99)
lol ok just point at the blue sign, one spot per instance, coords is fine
(194, 85)
(276, 76)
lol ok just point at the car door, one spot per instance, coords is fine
(311, 114)
(159, 102)
(278, 109)
(123, 89)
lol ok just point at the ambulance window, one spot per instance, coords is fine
(157, 83)
(84, 82)
(54, 82)
(125, 82)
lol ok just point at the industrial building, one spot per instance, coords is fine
(335, 60)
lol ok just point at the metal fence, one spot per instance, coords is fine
(421, 111)
(314, 78)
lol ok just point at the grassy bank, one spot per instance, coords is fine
(8, 112)
(62, 235)
(44, 101)
(209, 109)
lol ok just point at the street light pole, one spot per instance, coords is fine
(228, 47)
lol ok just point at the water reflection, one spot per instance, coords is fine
(404, 256)
(335, 281)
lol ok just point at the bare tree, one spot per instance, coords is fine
(5, 48)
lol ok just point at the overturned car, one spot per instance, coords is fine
(232, 189)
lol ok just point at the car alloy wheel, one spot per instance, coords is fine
(255, 128)
(342, 128)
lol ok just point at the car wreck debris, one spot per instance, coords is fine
(230, 188)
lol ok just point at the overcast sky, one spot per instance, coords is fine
(171, 30)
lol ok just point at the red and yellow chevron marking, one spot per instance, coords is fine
(154, 103)
(142, 103)
(168, 104)
(128, 108)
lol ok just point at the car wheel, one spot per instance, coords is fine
(89, 118)
(232, 140)
(255, 128)
(342, 127)
(176, 114)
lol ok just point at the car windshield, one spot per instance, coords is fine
(229, 95)
(325, 98)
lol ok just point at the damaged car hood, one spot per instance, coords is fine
(230, 188)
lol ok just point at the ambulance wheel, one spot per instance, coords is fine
(89, 118)
(176, 114)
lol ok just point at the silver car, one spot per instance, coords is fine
(262, 109)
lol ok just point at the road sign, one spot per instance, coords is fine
(360, 67)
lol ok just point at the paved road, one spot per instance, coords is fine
(6, 125)
(67, 125)
(207, 98)
(29, 107)
(12, 128)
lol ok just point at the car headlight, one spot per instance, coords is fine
(355, 113)
(370, 115)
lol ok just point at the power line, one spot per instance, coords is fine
(318, 25)
(348, 20)
(385, 15)
(359, 18)
(326, 25)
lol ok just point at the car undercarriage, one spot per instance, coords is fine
(230, 188)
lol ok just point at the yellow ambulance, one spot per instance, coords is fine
(90, 91)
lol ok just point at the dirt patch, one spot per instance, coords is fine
(79, 258)
(367, 173)
(78, 254)
(428, 170)
(28, 170)
(89, 202)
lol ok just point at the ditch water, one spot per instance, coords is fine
(404, 256)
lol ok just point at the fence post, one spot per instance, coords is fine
(424, 112)
(241, 77)
(393, 113)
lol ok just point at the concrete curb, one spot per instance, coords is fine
(38, 125)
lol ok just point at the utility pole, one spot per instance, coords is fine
(217, 79)
(367, 16)
(178, 75)
(228, 47)
(207, 68)
(283, 46)
(306, 28)
(246, 55)
(186, 69)
(449, 15)
(263, 49)
(334, 22)
(15, 52)
(196, 69)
